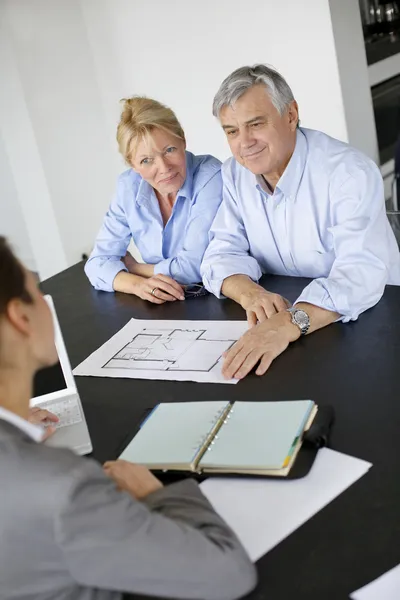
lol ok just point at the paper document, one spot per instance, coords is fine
(173, 350)
(263, 512)
(386, 587)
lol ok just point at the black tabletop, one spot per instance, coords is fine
(355, 367)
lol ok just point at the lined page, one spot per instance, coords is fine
(258, 435)
(173, 433)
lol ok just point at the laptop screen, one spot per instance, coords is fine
(50, 379)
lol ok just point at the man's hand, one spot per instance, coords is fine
(263, 343)
(260, 305)
(40, 416)
(257, 302)
(135, 479)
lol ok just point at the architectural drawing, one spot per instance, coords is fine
(170, 349)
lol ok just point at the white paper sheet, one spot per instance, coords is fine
(172, 350)
(386, 587)
(263, 512)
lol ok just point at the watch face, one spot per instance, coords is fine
(301, 318)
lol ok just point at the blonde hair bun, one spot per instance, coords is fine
(140, 115)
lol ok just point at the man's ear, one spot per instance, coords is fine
(17, 313)
(293, 115)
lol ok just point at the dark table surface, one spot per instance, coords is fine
(355, 367)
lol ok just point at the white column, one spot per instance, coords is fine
(353, 73)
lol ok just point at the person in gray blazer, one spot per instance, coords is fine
(72, 530)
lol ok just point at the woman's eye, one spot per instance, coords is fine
(171, 149)
(145, 161)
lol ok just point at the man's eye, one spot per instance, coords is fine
(231, 132)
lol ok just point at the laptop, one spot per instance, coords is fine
(55, 390)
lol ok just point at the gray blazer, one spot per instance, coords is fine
(67, 533)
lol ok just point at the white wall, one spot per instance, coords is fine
(180, 52)
(59, 83)
(12, 222)
(76, 58)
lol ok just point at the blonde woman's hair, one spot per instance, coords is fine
(140, 116)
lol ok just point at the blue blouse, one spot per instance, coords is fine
(175, 249)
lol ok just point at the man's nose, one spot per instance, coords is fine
(246, 138)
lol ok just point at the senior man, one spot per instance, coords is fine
(295, 202)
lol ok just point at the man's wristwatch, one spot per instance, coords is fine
(300, 318)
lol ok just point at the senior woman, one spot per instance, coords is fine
(166, 202)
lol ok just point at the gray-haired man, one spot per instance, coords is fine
(295, 202)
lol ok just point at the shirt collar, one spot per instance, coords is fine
(263, 185)
(146, 191)
(187, 189)
(289, 182)
(35, 432)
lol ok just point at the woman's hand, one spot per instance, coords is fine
(135, 479)
(40, 416)
(157, 289)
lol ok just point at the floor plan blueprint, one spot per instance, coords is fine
(170, 350)
(177, 350)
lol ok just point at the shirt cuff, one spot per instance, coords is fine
(163, 267)
(328, 295)
(107, 273)
(183, 271)
(213, 277)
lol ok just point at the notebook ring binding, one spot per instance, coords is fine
(200, 443)
(210, 438)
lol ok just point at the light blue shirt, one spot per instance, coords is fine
(176, 249)
(325, 220)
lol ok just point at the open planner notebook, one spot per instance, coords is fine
(254, 438)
